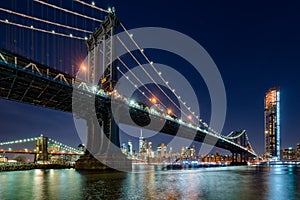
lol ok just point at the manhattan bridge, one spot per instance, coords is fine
(25, 80)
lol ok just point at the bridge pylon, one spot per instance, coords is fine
(41, 149)
(239, 157)
(103, 131)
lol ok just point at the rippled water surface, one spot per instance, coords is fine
(150, 182)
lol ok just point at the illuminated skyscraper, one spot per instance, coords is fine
(130, 150)
(272, 123)
(141, 138)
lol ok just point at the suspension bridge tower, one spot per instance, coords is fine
(41, 149)
(102, 71)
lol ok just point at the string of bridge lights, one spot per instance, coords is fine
(65, 147)
(152, 100)
(93, 6)
(85, 38)
(42, 30)
(44, 21)
(229, 137)
(18, 141)
(67, 11)
(136, 60)
(249, 142)
(188, 116)
(160, 75)
(132, 83)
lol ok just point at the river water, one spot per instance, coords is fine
(150, 182)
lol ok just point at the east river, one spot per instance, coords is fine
(150, 182)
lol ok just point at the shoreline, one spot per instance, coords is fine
(29, 166)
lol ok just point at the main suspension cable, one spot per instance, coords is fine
(44, 21)
(41, 30)
(93, 6)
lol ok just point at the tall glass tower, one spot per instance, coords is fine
(272, 123)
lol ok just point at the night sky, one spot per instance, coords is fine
(254, 44)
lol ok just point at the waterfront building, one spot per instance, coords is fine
(149, 147)
(141, 138)
(182, 151)
(150, 151)
(161, 150)
(188, 152)
(289, 154)
(3, 159)
(272, 123)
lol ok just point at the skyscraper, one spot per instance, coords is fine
(141, 141)
(130, 150)
(272, 123)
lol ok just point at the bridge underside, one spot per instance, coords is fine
(25, 86)
(42, 87)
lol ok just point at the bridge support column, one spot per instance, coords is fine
(103, 146)
(41, 149)
(238, 158)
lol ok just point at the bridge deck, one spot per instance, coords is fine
(25, 81)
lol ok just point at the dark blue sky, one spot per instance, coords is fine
(255, 45)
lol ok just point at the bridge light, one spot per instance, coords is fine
(151, 63)
(131, 35)
(6, 20)
(169, 111)
(31, 26)
(71, 35)
(153, 100)
(109, 9)
(190, 117)
(132, 102)
(53, 31)
(142, 50)
(93, 3)
(86, 38)
(83, 67)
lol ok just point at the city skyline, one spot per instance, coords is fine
(247, 72)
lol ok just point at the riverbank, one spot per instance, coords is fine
(29, 166)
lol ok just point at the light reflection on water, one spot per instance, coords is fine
(149, 182)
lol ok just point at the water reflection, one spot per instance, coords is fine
(150, 182)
